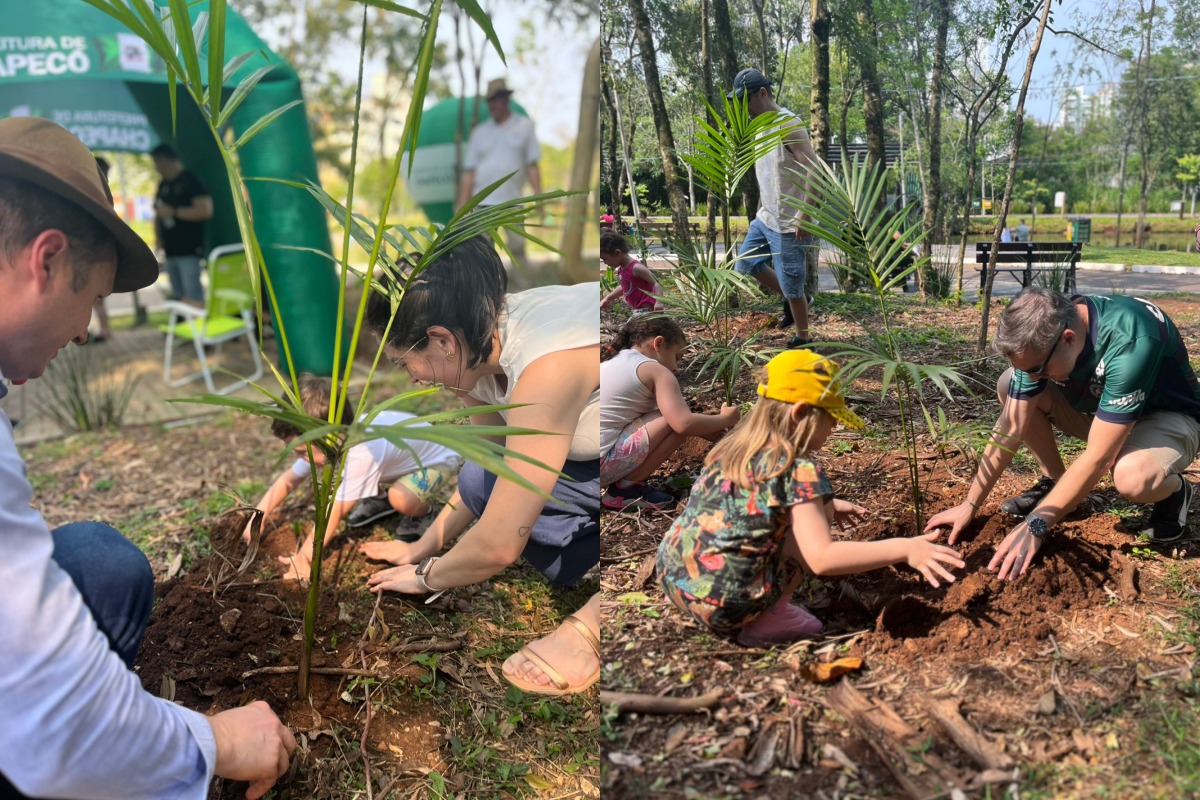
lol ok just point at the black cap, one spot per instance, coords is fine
(749, 78)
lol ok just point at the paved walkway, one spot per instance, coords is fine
(1091, 278)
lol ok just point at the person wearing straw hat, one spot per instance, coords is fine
(75, 601)
(504, 144)
(758, 518)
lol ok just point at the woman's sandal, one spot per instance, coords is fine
(558, 685)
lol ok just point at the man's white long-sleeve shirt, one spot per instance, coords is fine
(74, 721)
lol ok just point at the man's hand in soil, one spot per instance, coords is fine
(924, 556)
(252, 745)
(846, 514)
(1014, 553)
(957, 519)
(401, 579)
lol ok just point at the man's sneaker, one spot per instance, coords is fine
(1028, 500)
(1168, 520)
(635, 495)
(368, 510)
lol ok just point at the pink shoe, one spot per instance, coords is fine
(782, 623)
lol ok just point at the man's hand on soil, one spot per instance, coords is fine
(252, 745)
(957, 519)
(1015, 553)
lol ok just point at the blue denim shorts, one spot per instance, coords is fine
(763, 246)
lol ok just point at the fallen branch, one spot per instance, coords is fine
(424, 647)
(919, 771)
(627, 702)
(366, 673)
(983, 752)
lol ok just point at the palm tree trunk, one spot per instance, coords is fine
(662, 122)
(1014, 152)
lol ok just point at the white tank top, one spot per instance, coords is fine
(623, 396)
(546, 320)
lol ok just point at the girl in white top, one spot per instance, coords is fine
(456, 326)
(643, 416)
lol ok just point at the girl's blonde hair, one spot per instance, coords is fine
(768, 436)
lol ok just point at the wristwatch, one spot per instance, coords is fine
(1037, 527)
(422, 571)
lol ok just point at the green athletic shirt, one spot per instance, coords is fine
(1132, 362)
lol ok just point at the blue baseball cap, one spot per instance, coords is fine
(748, 79)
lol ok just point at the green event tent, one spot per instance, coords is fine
(68, 62)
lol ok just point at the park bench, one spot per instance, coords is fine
(657, 233)
(1024, 260)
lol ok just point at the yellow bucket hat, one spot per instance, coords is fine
(802, 376)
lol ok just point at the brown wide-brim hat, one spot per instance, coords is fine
(48, 155)
(497, 88)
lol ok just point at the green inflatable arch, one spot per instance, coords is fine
(66, 61)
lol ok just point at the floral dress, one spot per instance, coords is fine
(722, 560)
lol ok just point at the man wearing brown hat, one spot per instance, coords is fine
(75, 601)
(504, 144)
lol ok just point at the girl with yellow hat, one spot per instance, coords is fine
(759, 515)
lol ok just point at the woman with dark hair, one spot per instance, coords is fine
(458, 327)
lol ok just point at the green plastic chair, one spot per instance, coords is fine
(228, 314)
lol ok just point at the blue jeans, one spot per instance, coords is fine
(184, 272)
(565, 540)
(763, 246)
(117, 587)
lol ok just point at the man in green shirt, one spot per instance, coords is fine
(1111, 371)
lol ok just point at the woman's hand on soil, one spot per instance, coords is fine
(252, 745)
(402, 579)
(924, 556)
(1015, 553)
(957, 519)
(846, 514)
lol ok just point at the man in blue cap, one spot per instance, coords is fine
(774, 236)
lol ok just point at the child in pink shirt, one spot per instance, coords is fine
(635, 281)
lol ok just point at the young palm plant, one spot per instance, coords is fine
(844, 210)
(194, 53)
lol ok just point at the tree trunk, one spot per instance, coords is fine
(1121, 187)
(971, 161)
(726, 54)
(711, 96)
(872, 94)
(933, 183)
(767, 64)
(611, 150)
(662, 122)
(1014, 153)
(818, 108)
(1145, 143)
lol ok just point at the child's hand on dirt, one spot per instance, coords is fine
(957, 519)
(924, 555)
(731, 414)
(846, 514)
(246, 533)
(299, 565)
